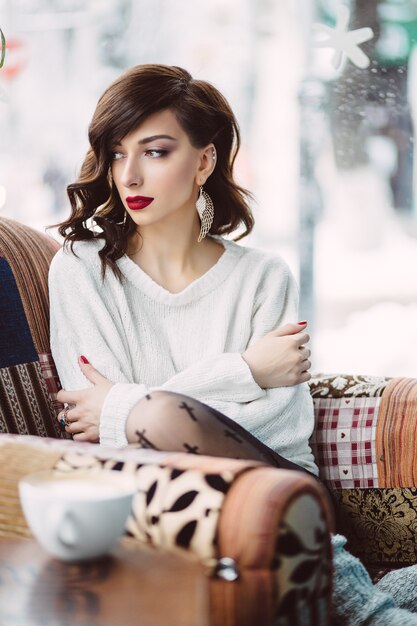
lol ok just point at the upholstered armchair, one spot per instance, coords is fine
(274, 525)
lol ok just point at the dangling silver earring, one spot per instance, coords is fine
(205, 209)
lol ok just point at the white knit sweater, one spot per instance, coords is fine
(143, 337)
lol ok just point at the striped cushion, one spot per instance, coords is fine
(28, 379)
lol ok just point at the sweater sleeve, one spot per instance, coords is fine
(82, 323)
(225, 376)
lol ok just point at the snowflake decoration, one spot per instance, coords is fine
(345, 43)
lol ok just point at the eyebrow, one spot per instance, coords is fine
(153, 138)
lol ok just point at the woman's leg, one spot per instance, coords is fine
(169, 421)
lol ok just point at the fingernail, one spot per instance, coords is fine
(301, 323)
(84, 359)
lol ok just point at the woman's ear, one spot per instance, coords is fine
(207, 163)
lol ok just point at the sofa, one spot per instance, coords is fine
(262, 534)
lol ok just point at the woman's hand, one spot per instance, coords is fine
(82, 419)
(280, 358)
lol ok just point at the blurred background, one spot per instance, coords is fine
(326, 95)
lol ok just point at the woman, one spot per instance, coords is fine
(194, 337)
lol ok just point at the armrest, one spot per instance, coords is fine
(365, 445)
(273, 524)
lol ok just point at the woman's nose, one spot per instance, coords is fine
(131, 176)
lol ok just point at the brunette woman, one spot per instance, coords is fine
(164, 330)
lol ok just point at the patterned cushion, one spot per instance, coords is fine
(344, 438)
(365, 446)
(28, 379)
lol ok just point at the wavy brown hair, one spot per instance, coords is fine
(206, 117)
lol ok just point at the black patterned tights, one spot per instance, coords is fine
(169, 421)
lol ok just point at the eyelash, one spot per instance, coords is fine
(161, 153)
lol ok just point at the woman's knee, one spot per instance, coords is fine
(166, 402)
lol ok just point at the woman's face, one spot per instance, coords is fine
(157, 171)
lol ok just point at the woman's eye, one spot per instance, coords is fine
(115, 156)
(155, 153)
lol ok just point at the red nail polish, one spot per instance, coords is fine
(301, 323)
(84, 359)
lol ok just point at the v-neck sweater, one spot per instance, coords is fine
(142, 338)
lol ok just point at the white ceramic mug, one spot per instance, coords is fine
(78, 515)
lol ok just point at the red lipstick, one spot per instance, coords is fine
(135, 203)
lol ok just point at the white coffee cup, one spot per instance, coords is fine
(78, 515)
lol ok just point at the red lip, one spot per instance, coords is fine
(135, 203)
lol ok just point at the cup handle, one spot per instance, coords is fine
(65, 522)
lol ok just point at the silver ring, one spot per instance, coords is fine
(63, 420)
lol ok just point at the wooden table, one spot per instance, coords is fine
(134, 586)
